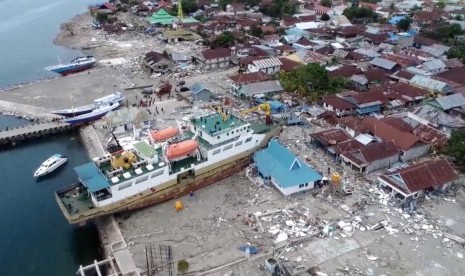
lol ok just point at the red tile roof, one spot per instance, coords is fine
(250, 77)
(372, 152)
(402, 140)
(216, 53)
(330, 137)
(430, 174)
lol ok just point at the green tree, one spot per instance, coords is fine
(457, 51)
(101, 17)
(458, 17)
(440, 4)
(326, 3)
(311, 81)
(443, 32)
(403, 24)
(324, 17)
(224, 3)
(189, 6)
(278, 8)
(256, 31)
(456, 147)
(224, 40)
(360, 12)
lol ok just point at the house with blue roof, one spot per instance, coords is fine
(287, 172)
(200, 92)
(395, 19)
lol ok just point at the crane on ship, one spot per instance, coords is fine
(265, 107)
(223, 114)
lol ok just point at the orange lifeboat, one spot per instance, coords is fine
(181, 150)
(162, 135)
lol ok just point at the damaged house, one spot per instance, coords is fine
(413, 181)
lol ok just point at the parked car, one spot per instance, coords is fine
(184, 89)
(147, 91)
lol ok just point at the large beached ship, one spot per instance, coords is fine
(171, 163)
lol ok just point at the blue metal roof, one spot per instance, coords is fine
(92, 177)
(396, 19)
(197, 87)
(288, 170)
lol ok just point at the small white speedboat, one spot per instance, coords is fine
(51, 164)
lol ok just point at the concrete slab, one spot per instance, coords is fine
(323, 250)
(124, 261)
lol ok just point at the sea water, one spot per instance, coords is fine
(36, 239)
(27, 31)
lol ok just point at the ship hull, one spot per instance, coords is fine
(72, 69)
(168, 190)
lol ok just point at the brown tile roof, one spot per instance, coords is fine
(351, 30)
(402, 140)
(424, 40)
(216, 53)
(285, 47)
(406, 89)
(368, 5)
(430, 135)
(430, 174)
(356, 56)
(346, 146)
(325, 50)
(455, 75)
(373, 74)
(372, 152)
(250, 77)
(453, 62)
(321, 9)
(369, 97)
(401, 59)
(398, 123)
(402, 74)
(354, 123)
(338, 103)
(425, 16)
(346, 71)
(305, 42)
(376, 38)
(330, 136)
(289, 65)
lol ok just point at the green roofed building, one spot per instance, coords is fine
(161, 17)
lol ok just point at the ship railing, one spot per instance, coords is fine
(119, 170)
(69, 188)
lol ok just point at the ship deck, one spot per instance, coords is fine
(75, 199)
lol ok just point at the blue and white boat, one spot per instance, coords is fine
(76, 111)
(51, 164)
(76, 65)
(96, 114)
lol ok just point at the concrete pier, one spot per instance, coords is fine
(14, 135)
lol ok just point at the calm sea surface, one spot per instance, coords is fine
(27, 30)
(36, 239)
